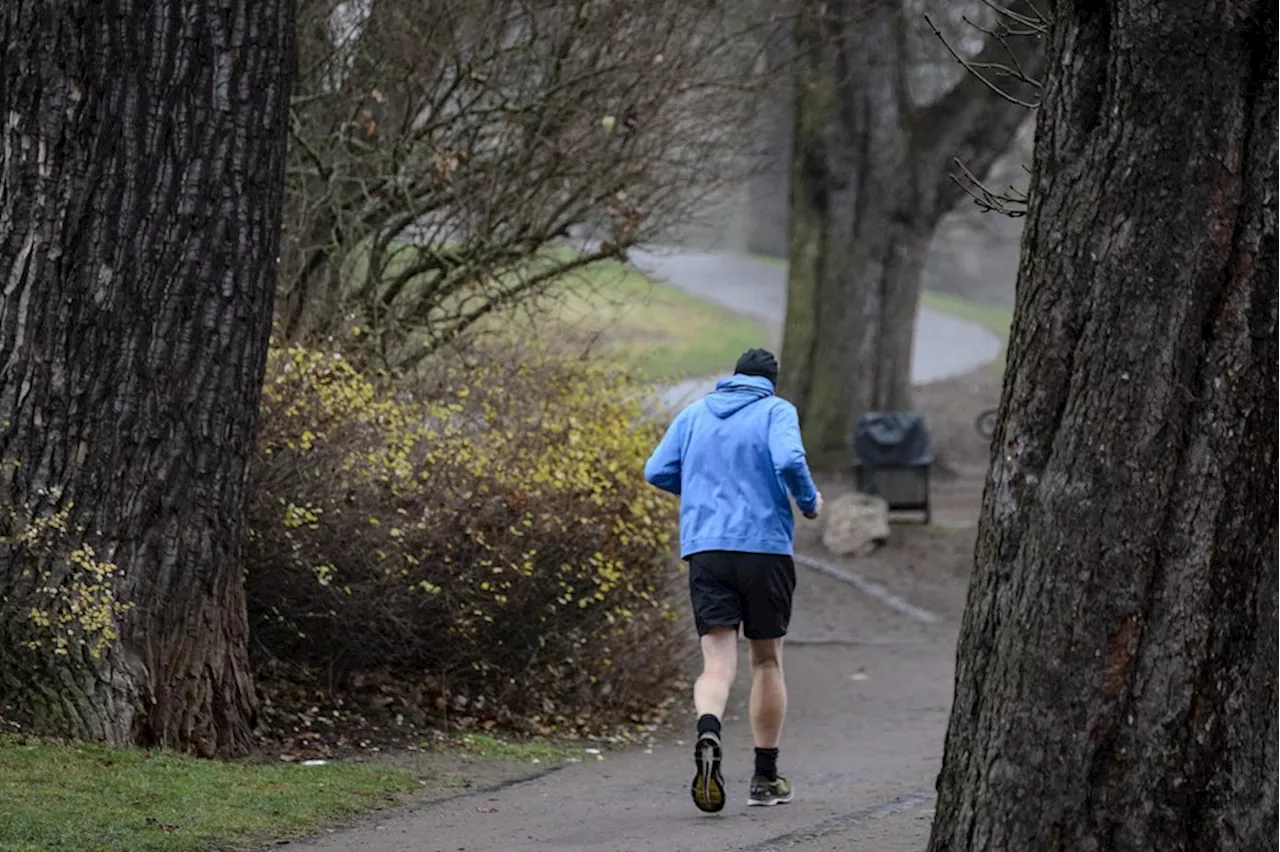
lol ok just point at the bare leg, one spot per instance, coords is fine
(768, 707)
(710, 694)
(768, 704)
(719, 667)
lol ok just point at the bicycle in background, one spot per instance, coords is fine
(986, 422)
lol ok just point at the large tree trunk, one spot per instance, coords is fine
(856, 248)
(141, 173)
(1116, 674)
(870, 180)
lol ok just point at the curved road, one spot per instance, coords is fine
(944, 346)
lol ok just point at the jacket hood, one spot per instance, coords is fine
(736, 393)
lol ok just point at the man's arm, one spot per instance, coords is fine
(787, 450)
(663, 468)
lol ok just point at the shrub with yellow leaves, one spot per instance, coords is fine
(492, 532)
(67, 603)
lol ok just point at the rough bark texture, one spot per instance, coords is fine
(869, 182)
(851, 201)
(1116, 674)
(141, 172)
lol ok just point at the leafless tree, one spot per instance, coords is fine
(884, 114)
(441, 147)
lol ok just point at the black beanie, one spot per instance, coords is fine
(758, 362)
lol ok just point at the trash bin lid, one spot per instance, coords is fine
(892, 439)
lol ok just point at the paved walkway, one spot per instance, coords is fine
(944, 346)
(870, 689)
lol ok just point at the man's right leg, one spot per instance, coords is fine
(770, 587)
(768, 703)
(768, 709)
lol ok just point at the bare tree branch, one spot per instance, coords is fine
(1012, 202)
(452, 326)
(1034, 21)
(969, 126)
(977, 67)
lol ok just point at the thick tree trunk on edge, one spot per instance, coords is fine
(1117, 666)
(141, 173)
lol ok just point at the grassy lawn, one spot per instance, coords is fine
(522, 751)
(666, 333)
(657, 330)
(92, 798)
(661, 332)
(616, 311)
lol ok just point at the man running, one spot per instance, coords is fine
(732, 457)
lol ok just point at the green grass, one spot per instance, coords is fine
(658, 331)
(92, 798)
(616, 311)
(768, 260)
(994, 318)
(662, 333)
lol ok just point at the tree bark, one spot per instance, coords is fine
(869, 183)
(1117, 665)
(141, 174)
(851, 203)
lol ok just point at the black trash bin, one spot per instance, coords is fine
(892, 455)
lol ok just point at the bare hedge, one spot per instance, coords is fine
(498, 539)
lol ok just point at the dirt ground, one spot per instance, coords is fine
(870, 690)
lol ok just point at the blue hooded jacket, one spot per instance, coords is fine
(732, 456)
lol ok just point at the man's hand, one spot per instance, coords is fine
(817, 509)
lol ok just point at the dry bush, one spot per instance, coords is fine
(499, 539)
(438, 145)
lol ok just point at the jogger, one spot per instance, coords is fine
(733, 457)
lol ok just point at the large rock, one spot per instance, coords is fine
(855, 525)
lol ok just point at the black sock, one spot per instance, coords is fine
(767, 764)
(708, 724)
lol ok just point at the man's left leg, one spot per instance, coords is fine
(719, 668)
(710, 695)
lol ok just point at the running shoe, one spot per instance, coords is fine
(708, 784)
(766, 793)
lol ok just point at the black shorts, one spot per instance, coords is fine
(728, 588)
